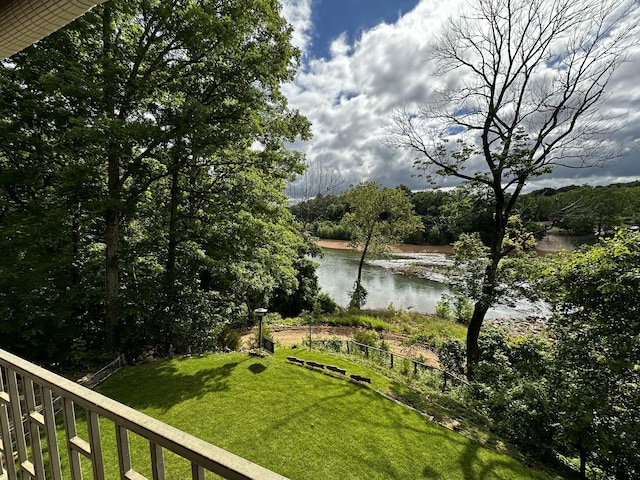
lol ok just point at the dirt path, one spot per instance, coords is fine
(297, 335)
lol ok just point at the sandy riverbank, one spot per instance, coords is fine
(398, 248)
(549, 244)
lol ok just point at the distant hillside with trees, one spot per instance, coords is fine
(445, 214)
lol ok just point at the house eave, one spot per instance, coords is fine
(24, 22)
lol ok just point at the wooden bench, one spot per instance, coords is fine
(312, 364)
(315, 364)
(360, 378)
(337, 369)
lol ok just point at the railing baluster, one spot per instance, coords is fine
(197, 472)
(157, 461)
(124, 454)
(202, 456)
(72, 433)
(52, 437)
(96, 445)
(7, 449)
(18, 427)
(35, 420)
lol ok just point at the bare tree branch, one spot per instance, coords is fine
(531, 81)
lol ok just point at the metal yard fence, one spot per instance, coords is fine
(387, 359)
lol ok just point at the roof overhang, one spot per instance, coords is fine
(24, 22)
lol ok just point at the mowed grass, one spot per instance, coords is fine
(300, 423)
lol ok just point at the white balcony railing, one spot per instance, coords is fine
(29, 433)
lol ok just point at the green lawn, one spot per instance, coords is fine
(300, 423)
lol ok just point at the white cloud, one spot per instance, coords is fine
(350, 97)
(298, 14)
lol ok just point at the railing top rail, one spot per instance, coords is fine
(192, 448)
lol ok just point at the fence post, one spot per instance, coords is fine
(392, 360)
(415, 367)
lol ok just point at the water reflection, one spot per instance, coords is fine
(338, 271)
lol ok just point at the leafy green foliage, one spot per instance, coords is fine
(331, 231)
(596, 378)
(367, 337)
(584, 209)
(462, 309)
(514, 392)
(451, 355)
(443, 308)
(143, 158)
(325, 304)
(448, 214)
(353, 319)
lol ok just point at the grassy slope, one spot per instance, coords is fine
(300, 423)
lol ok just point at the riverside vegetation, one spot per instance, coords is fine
(569, 394)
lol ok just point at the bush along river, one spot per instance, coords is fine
(414, 282)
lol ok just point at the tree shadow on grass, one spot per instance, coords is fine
(472, 459)
(162, 385)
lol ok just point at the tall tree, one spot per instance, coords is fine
(167, 106)
(377, 217)
(530, 78)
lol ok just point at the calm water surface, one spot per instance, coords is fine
(338, 271)
(337, 274)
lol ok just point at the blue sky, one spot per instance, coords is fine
(362, 59)
(332, 18)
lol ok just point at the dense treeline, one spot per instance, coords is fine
(142, 170)
(445, 214)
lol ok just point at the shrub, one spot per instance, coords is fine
(272, 318)
(358, 297)
(452, 355)
(524, 416)
(255, 335)
(462, 309)
(367, 337)
(443, 308)
(331, 231)
(228, 339)
(334, 344)
(325, 304)
(513, 389)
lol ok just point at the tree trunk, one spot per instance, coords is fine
(112, 214)
(489, 285)
(583, 462)
(112, 280)
(173, 232)
(361, 264)
(358, 287)
(473, 333)
(75, 242)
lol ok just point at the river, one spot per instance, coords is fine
(338, 270)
